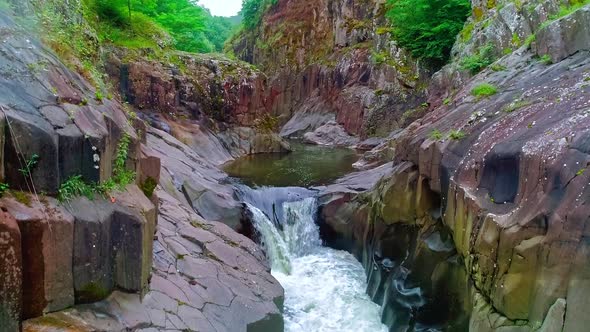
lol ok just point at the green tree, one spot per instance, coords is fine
(428, 28)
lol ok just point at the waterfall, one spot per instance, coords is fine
(324, 288)
(299, 234)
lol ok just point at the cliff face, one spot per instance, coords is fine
(487, 194)
(151, 255)
(334, 60)
(496, 184)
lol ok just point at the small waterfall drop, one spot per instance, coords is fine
(324, 288)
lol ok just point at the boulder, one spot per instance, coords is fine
(331, 134)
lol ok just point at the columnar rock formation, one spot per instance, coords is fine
(147, 256)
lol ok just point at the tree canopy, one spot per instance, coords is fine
(135, 22)
(428, 28)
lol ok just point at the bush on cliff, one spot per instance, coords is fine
(428, 28)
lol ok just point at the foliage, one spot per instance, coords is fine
(267, 123)
(479, 61)
(484, 90)
(76, 186)
(4, 187)
(252, 11)
(456, 135)
(529, 40)
(436, 135)
(428, 27)
(148, 186)
(565, 9)
(145, 23)
(30, 164)
(546, 59)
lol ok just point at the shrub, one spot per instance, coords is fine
(456, 135)
(484, 90)
(436, 135)
(479, 61)
(428, 27)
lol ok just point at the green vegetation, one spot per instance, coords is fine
(379, 57)
(30, 164)
(484, 90)
(141, 23)
(428, 27)
(565, 9)
(529, 40)
(148, 186)
(252, 11)
(4, 187)
(456, 135)
(546, 59)
(76, 186)
(580, 172)
(436, 135)
(479, 61)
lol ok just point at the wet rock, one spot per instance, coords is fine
(11, 273)
(47, 232)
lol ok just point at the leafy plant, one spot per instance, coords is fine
(546, 59)
(30, 164)
(436, 135)
(477, 62)
(456, 135)
(4, 187)
(74, 187)
(428, 27)
(529, 40)
(484, 90)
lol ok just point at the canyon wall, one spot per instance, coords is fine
(156, 254)
(334, 60)
(495, 184)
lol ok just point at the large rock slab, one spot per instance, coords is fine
(565, 36)
(113, 244)
(52, 115)
(11, 273)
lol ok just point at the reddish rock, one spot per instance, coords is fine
(11, 273)
(47, 241)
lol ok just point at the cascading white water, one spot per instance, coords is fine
(324, 288)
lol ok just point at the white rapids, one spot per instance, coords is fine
(324, 288)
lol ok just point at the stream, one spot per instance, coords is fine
(325, 289)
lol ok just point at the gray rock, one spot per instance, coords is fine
(331, 134)
(565, 36)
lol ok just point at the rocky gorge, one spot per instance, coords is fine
(468, 212)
